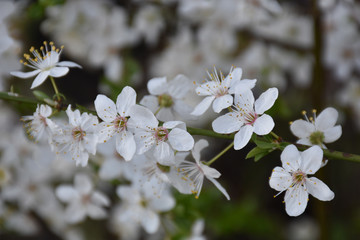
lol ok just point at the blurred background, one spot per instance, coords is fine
(309, 50)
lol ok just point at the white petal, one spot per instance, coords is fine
(198, 146)
(227, 123)
(173, 124)
(203, 106)
(95, 212)
(66, 193)
(82, 183)
(242, 86)
(165, 114)
(263, 125)
(319, 189)
(150, 221)
(125, 145)
(142, 117)
(110, 169)
(243, 137)
(105, 132)
(209, 171)
(234, 76)
(163, 203)
(181, 140)
(151, 102)
(164, 154)
(304, 141)
(125, 100)
(295, 200)
(58, 71)
(290, 158)
(157, 86)
(144, 141)
(311, 159)
(245, 100)
(40, 78)
(302, 129)
(100, 199)
(266, 100)
(280, 179)
(105, 108)
(222, 102)
(179, 86)
(326, 119)
(221, 188)
(25, 74)
(332, 134)
(68, 64)
(75, 213)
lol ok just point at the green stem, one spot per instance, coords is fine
(55, 88)
(274, 135)
(220, 154)
(158, 110)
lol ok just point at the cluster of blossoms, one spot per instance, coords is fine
(157, 151)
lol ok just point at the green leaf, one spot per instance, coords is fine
(254, 152)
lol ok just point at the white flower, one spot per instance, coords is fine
(194, 172)
(197, 230)
(293, 178)
(219, 89)
(79, 138)
(141, 206)
(163, 140)
(167, 98)
(46, 63)
(82, 199)
(39, 125)
(115, 119)
(317, 130)
(247, 117)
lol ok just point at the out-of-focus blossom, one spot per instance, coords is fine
(167, 98)
(82, 199)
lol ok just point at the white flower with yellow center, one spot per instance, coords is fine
(115, 119)
(293, 178)
(78, 138)
(219, 89)
(45, 63)
(317, 130)
(247, 117)
(162, 140)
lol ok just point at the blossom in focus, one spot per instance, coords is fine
(247, 117)
(167, 97)
(82, 199)
(293, 178)
(162, 140)
(39, 125)
(218, 90)
(317, 130)
(115, 119)
(45, 63)
(194, 172)
(78, 138)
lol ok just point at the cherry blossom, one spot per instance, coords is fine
(293, 178)
(247, 117)
(45, 63)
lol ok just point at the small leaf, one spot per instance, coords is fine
(254, 152)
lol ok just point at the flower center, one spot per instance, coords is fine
(85, 199)
(163, 168)
(78, 134)
(161, 134)
(250, 118)
(165, 100)
(317, 138)
(120, 123)
(3, 176)
(298, 177)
